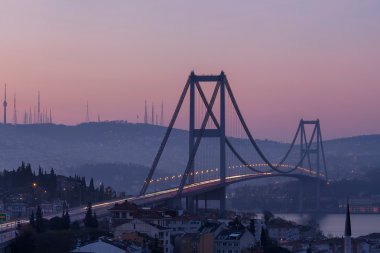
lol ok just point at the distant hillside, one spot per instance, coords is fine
(72, 148)
(64, 147)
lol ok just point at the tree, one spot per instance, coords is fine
(91, 185)
(24, 243)
(66, 219)
(267, 216)
(56, 223)
(309, 249)
(236, 223)
(39, 220)
(95, 223)
(32, 220)
(88, 217)
(75, 225)
(252, 227)
(264, 238)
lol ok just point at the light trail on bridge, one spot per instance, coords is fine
(214, 170)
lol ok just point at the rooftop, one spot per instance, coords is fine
(125, 206)
(230, 234)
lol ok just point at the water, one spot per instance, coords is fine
(333, 224)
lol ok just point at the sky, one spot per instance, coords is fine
(285, 60)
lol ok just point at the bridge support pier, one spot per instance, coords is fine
(318, 196)
(300, 196)
(206, 201)
(196, 204)
(190, 204)
(174, 203)
(222, 201)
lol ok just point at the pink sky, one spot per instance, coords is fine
(284, 59)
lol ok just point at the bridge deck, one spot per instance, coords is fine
(205, 186)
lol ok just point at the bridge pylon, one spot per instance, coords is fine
(194, 86)
(195, 134)
(315, 156)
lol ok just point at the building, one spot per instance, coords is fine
(374, 242)
(16, 210)
(202, 241)
(126, 211)
(234, 241)
(183, 224)
(330, 245)
(123, 212)
(103, 246)
(154, 231)
(6, 237)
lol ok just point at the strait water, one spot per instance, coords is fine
(333, 224)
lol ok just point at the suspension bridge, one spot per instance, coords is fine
(218, 128)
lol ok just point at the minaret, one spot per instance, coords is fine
(87, 113)
(5, 104)
(162, 114)
(347, 231)
(14, 111)
(146, 114)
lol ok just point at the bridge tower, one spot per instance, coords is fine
(193, 87)
(196, 82)
(315, 157)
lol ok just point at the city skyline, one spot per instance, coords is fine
(285, 62)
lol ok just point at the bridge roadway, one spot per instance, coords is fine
(213, 184)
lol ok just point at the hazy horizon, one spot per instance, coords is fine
(284, 60)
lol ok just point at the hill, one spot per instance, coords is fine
(120, 146)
